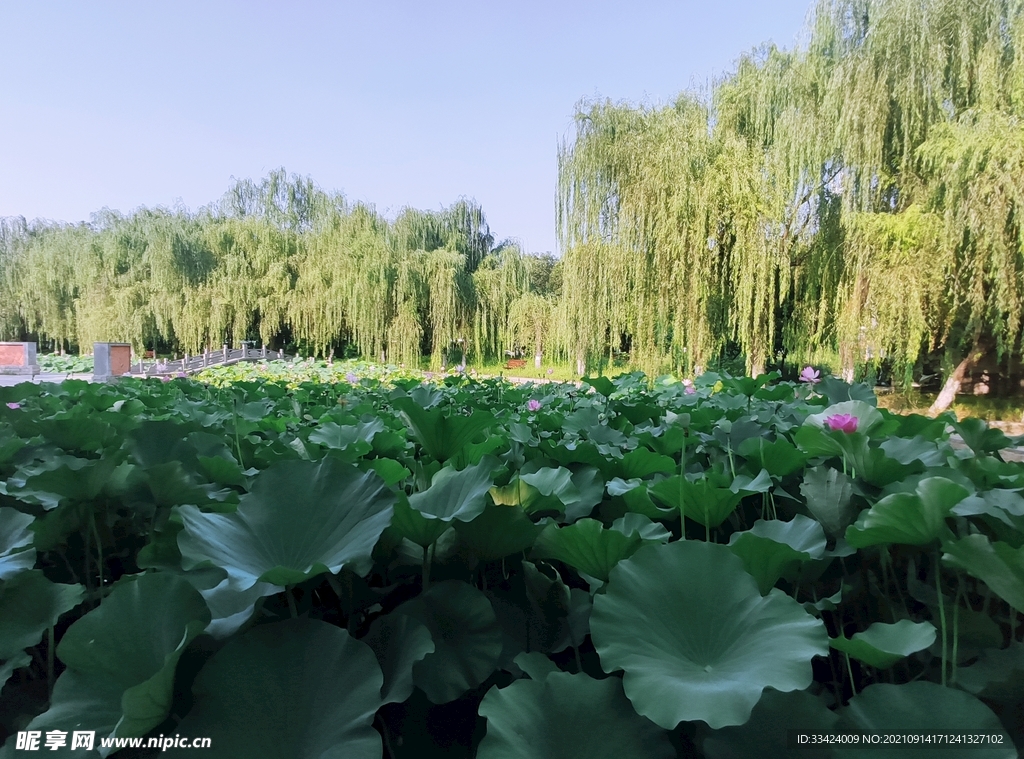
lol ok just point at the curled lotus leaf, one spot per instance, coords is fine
(882, 645)
(300, 519)
(16, 550)
(695, 637)
(567, 716)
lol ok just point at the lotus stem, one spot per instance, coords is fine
(49, 662)
(849, 669)
(942, 614)
(427, 557)
(956, 626)
(99, 550)
(291, 602)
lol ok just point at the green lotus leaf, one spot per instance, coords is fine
(550, 601)
(552, 481)
(29, 605)
(359, 437)
(928, 707)
(300, 519)
(1003, 505)
(499, 531)
(412, 525)
(389, 470)
(772, 548)
(535, 664)
(643, 462)
(765, 734)
(997, 675)
(828, 493)
(398, 641)
(696, 639)
(71, 479)
(590, 488)
(455, 494)
(442, 432)
(121, 657)
(700, 501)
(638, 500)
(743, 483)
(79, 702)
(998, 565)
(466, 635)
(19, 660)
(631, 523)
(917, 448)
(586, 546)
(917, 518)
(299, 689)
(567, 717)
(779, 458)
(882, 645)
(16, 550)
(981, 438)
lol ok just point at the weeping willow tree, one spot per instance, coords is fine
(858, 195)
(276, 260)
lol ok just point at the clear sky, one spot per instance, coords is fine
(400, 103)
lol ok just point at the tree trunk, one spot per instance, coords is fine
(847, 362)
(952, 386)
(536, 360)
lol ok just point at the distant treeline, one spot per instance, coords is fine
(281, 262)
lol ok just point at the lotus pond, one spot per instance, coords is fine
(628, 569)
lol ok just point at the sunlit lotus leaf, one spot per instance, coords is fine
(695, 637)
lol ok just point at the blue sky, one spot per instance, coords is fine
(124, 104)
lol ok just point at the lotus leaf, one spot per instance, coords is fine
(567, 716)
(772, 548)
(701, 501)
(586, 546)
(299, 689)
(121, 657)
(399, 641)
(925, 706)
(466, 635)
(882, 645)
(29, 604)
(917, 518)
(999, 565)
(499, 531)
(16, 550)
(765, 734)
(695, 637)
(997, 675)
(442, 433)
(300, 519)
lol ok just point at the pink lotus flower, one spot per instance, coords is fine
(810, 375)
(352, 378)
(533, 405)
(551, 371)
(13, 405)
(690, 390)
(842, 422)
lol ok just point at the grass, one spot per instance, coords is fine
(980, 406)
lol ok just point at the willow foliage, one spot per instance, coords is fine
(278, 261)
(859, 195)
